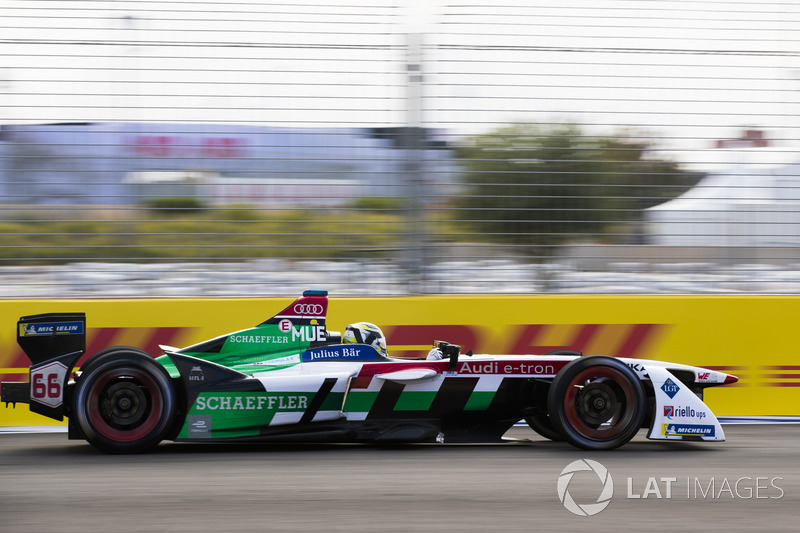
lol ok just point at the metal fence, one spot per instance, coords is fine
(203, 148)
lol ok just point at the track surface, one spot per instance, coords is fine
(48, 483)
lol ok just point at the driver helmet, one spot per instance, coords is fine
(366, 333)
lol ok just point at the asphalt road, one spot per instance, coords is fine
(751, 482)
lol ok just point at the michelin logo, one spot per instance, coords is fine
(51, 328)
(687, 430)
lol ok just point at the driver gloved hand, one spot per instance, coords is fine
(434, 355)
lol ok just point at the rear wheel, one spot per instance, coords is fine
(597, 403)
(124, 401)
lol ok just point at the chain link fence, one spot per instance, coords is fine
(203, 148)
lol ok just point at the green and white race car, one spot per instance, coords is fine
(290, 379)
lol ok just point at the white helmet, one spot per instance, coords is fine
(366, 333)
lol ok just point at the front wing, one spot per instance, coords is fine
(679, 413)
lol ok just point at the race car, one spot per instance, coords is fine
(289, 379)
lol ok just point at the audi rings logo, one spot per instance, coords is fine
(586, 509)
(308, 309)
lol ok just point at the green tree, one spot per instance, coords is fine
(527, 184)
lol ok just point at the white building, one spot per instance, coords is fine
(745, 205)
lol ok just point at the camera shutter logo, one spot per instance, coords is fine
(587, 509)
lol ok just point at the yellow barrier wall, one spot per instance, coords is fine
(750, 336)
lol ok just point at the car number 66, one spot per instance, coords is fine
(47, 384)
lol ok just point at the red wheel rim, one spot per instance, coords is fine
(124, 405)
(599, 402)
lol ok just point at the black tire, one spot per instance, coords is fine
(597, 403)
(124, 401)
(541, 424)
(563, 352)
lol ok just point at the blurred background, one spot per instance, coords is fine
(398, 147)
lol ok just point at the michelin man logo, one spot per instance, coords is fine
(587, 509)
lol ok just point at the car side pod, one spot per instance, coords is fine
(199, 375)
(680, 414)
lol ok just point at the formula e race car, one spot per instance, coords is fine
(289, 379)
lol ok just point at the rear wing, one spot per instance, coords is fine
(53, 342)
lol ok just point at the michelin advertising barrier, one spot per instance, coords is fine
(752, 337)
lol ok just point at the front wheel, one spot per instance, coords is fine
(125, 401)
(596, 403)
